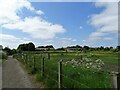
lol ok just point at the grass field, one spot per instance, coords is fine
(72, 76)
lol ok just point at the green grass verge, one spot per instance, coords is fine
(72, 77)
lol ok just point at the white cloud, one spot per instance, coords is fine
(49, 41)
(37, 27)
(83, 40)
(66, 41)
(9, 10)
(9, 40)
(105, 22)
(39, 12)
(74, 0)
(81, 27)
(25, 41)
(108, 38)
(12, 41)
(7, 37)
(74, 40)
(97, 34)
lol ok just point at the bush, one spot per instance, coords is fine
(3, 56)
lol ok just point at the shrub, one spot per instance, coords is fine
(87, 63)
(3, 56)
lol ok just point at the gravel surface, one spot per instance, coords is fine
(14, 76)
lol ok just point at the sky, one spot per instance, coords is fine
(59, 24)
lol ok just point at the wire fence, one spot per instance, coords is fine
(57, 75)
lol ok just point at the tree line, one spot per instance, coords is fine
(22, 47)
(31, 47)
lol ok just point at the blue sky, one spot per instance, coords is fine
(61, 24)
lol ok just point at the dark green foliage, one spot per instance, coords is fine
(3, 55)
(31, 47)
(45, 48)
(107, 48)
(14, 51)
(8, 50)
(26, 47)
(118, 48)
(86, 48)
(23, 47)
(61, 49)
(49, 46)
(77, 47)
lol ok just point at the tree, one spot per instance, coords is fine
(107, 48)
(31, 47)
(8, 50)
(23, 47)
(118, 47)
(60, 49)
(111, 48)
(50, 47)
(92, 49)
(101, 48)
(79, 47)
(86, 48)
(14, 51)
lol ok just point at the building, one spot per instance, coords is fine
(50, 47)
(77, 47)
(71, 48)
(41, 48)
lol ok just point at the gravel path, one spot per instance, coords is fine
(14, 76)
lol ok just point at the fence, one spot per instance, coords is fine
(58, 74)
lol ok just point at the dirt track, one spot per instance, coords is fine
(14, 76)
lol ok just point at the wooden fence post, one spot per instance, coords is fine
(118, 81)
(62, 53)
(114, 80)
(48, 56)
(41, 54)
(20, 56)
(81, 57)
(24, 58)
(42, 68)
(27, 59)
(60, 74)
(34, 63)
